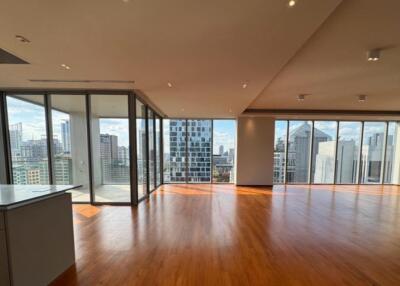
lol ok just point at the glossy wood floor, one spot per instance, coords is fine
(226, 235)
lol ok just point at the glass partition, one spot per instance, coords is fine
(28, 139)
(299, 147)
(70, 144)
(324, 152)
(110, 148)
(280, 151)
(141, 149)
(224, 137)
(372, 152)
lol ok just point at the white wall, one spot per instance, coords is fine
(396, 162)
(79, 151)
(255, 151)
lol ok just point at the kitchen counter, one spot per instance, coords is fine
(36, 233)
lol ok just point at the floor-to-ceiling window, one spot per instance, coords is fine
(392, 160)
(280, 151)
(299, 148)
(174, 150)
(199, 151)
(341, 152)
(224, 138)
(151, 156)
(141, 149)
(348, 152)
(324, 152)
(70, 144)
(110, 148)
(158, 150)
(3, 161)
(372, 152)
(28, 139)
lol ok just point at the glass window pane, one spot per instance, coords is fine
(392, 160)
(151, 149)
(299, 145)
(71, 161)
(110, 148)
(324, 152)
(28, 139)
(199, 151)
(141, 149)
(348, 152)
(280, 151)
(224, 137)
(158, 146)
(372, 152)
(174, 150)
(3, 172)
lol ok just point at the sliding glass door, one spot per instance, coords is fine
(70, 144)
(110, 148)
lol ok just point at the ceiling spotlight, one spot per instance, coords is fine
(301, 97)
(244, 85)
(291, 3)
(22, 39)
(373, 55)
(362, 98)
(66, 67)
(230, 110)
(169, 84)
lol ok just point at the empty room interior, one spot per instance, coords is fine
(199, 142)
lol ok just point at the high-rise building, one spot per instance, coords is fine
(15, 131)
(177, 152)
(66, 136)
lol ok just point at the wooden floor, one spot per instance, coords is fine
(225, 235)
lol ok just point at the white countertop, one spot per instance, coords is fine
(14, 195)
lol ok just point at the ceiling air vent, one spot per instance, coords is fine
(7, 58)
(82, 81)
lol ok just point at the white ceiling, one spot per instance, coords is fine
(332, 65)
(207, 49)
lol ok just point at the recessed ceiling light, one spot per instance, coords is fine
(22, 39)
(125, 1)
(244, 85)
(291, 3)
(230, 110)
(183, 109)
(373, 55)
(169, 84)
(66, 67)
(301, 97)
(362, 98)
